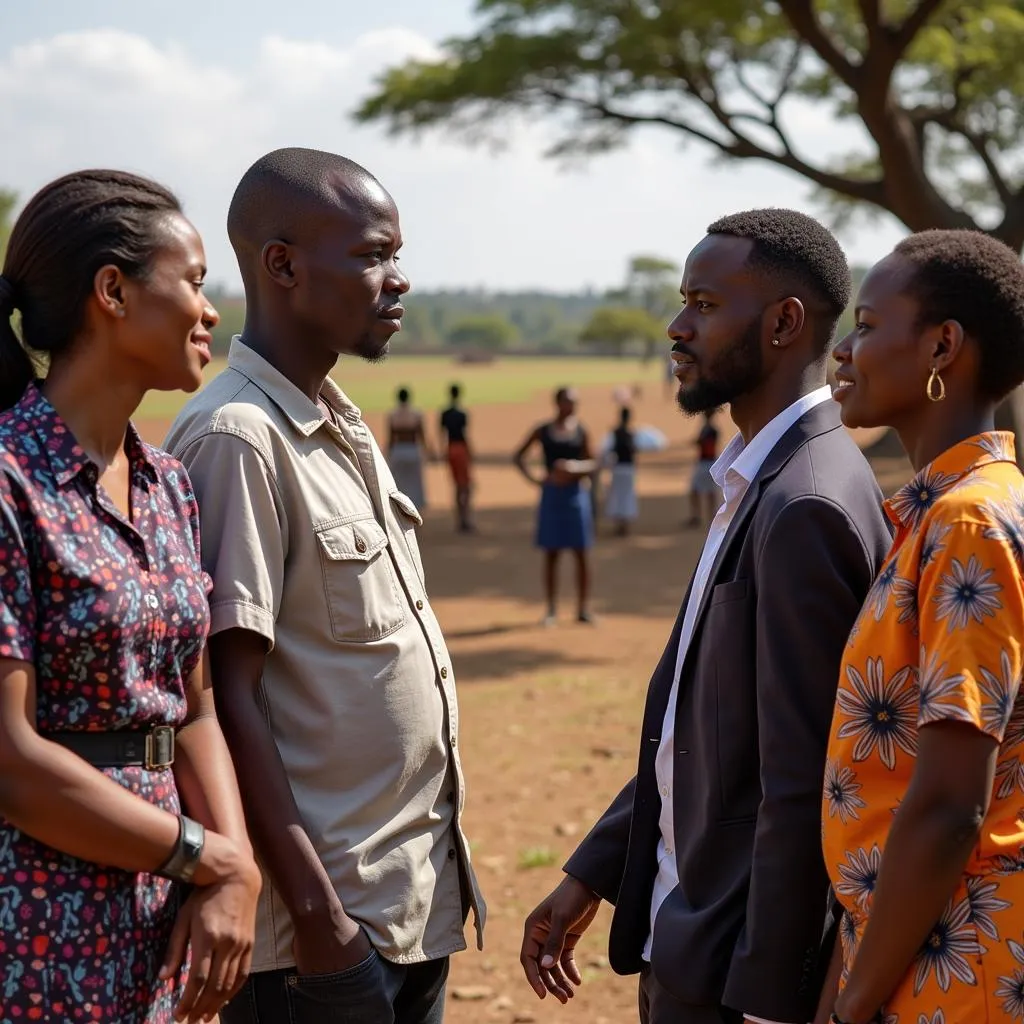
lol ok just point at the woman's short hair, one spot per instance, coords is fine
(978, 281)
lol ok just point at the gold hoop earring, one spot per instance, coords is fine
(930, 390)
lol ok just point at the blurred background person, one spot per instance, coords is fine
(407, 448)
(621, 506)
(705, 496)
(565, 519)
(454, 430)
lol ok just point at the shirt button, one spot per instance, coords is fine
(452, 741)
(360, 545)
(450, 797)
(668, 849)
(664, 790)
(419, 606)
(444, 673)
(451, 855)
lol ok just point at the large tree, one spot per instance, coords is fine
(621, 326)
(938, 86)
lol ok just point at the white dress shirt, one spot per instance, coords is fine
(733, 472)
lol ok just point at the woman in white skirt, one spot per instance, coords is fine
(407, 446)
(621, 504)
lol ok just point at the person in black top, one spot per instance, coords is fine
(621, 506)
(704, 493)
(565, 519)
(454, 423)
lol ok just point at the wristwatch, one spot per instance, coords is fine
(184, 859)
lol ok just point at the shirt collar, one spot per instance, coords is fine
(745, 460)
(305, 416)
(941, 475)
(66, 456)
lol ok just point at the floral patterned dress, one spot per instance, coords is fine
(113, 616)
(941, 637)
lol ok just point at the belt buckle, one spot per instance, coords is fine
(159, 748)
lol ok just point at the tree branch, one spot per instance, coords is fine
(913, 23)
(979, 143)
(741, 147)
(801, 16)
(1011, 230)
(871, 14)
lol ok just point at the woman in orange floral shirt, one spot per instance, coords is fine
(924, 788)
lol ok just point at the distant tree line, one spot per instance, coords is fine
(629, 320)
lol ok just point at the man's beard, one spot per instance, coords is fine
(734, 372)
(372, 351)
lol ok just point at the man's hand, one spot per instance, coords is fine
(550, 937)
(330, 943)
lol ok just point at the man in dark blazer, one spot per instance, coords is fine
(712, 853)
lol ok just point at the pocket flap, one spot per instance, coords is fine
(406, 504)
(358, 541)
(734, 590)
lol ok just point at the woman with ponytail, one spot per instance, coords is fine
(127, 884)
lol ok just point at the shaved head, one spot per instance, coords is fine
(317, 240)
(286, 195)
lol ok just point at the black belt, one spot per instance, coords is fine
(152, 750)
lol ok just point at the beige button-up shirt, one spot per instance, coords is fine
(311, 545)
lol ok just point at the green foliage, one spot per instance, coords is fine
(619, 327)
(937, 84)
(231, 309)
(8, 200)
(490, 332)
(537, 857)
(542, 320)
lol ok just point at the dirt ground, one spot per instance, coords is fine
(550, 717)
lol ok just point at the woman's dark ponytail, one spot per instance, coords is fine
(67, 232)
(15, 366)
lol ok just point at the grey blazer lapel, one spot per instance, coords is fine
(820, 420)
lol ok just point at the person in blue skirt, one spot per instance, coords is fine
(565, 520)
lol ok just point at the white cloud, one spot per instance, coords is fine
(106, 97)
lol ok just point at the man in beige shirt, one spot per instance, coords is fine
(333, 683)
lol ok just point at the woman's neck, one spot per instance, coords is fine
(96, 402)
(942, 429)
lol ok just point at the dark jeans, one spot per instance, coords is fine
(659, 1006)
(373, 992)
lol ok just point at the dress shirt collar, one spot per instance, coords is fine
(740, 463)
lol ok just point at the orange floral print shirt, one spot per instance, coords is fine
(940, 637)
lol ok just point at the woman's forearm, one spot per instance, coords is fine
(925, 856)
(206, 778)
(62, 801)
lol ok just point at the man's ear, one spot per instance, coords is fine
(787, 321)
(277, 258)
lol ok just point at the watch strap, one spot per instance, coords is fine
(184, 858)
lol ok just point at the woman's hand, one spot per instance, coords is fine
(561, 473)
(219, 922)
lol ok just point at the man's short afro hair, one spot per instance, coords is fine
(795, 248)
(978, 281)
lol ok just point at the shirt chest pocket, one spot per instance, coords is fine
(363, 596)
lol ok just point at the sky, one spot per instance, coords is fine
(192, 95)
